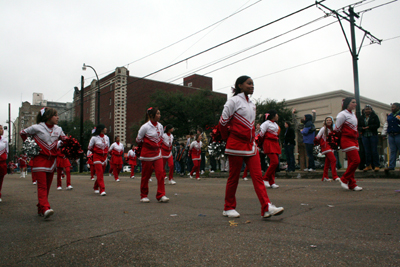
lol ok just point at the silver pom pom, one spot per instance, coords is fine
(30, 147)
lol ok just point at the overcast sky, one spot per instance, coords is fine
(44, 44)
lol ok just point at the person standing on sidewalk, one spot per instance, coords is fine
(368, 125)
(392, 130)
(237, 127)
(288, 145)
(308, 139)
(346, 127)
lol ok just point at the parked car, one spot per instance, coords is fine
(126, 168)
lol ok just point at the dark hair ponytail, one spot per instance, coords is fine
(346, 102)
(239, 81)
(98, 130)
(168, 127)
(45, 114)
(151, 113)
(271, 114)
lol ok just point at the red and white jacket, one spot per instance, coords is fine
(116, 150)
(47, 138)
(166, 146)
(195, 150)
(131, 157)
(239, 114)
(346, 124)
(321, 139)
(99, 145)
(149, 137)
(22, 161)
(269, 132)
(3, 149)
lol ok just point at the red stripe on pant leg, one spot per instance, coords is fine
(158, 169)
(235, 166)
(99, 184)
(42, 192)
(353, 160)
(147, 170)
(273, 163)
(254, 167)
(171, 168)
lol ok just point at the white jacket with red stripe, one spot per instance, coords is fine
(149, 137)
(99, 145)
(3, 148)
(325, 147)
(239, 114)
(346, 124)
(166, 147)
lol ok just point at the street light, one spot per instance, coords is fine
(98, 91)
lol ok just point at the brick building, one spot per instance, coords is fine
(124, 99)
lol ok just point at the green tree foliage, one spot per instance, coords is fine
(187, 112)
(285, 114)
(72, 128)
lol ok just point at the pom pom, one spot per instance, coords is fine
(71, 148)
(216, 134)
(217, 149)
(333, 140)
(137, 150)
(30, 147)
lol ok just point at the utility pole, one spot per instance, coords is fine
(81, 128)
(9, 125)
(353, 48)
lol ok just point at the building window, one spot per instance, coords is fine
(109, 129)
(110, 101)
(110, 114)
(87, 110)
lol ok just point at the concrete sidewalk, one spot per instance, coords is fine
(323, 225)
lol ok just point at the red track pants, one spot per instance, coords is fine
(170, 161)
(147, 170)
(353, 160)
(273, 163)
(116, 170)
(245, 172)
(44, 180)
(99, 183)
(92, 171)
(133, 170)
(67, 173)
(196, 168)
(330, 161)
(3, 172)
(254, 166)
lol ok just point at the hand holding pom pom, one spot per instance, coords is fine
(30, 147)
(334, 140)
(71, 148)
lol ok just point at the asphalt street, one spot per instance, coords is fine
(323, 225)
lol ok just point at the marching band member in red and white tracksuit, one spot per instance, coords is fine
(239, 114)
(132, 161)
(269, 136)
(89, 156)
(330, 159)
(3, 157)
(166, 151)
(46, 133)
(195, 153)
(116, 151)
(22, 163)
(346, 125)
(99, 144)
(149, 138)
(63, 164)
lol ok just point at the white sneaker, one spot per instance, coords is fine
(306, 170)
(1, 200)
(145, 200)
(311, 170)
(172, 181)
(231, 213)
(117, 180)
(132, 177)
(245, 179)
(48, 213)
(150, 180)
(337, 179)
(34, 183)
(198, 179)
(211, 171)
(327, 180)
(202, 172)
(96, 191)
(266, 183)
(103, 193)
(92, 178)
(273, 211)
(164, 199)
(357, 188)
(165, 178)
(274, 186)
(69, 187)
(344, 186)
(59, 188)
(191, 177)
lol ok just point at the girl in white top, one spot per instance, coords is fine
(3, 157)
(195, 152)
